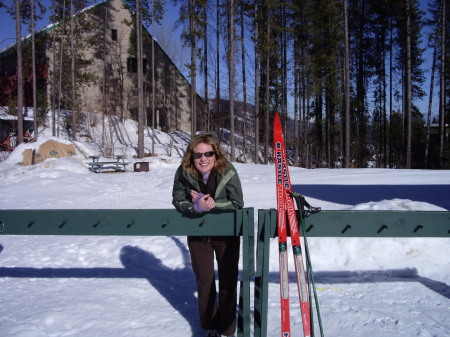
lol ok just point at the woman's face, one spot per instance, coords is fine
(204, 163)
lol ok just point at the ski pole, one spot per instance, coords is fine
(301, 212)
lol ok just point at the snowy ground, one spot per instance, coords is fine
(144, 286)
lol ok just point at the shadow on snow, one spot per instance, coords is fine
(438, 195)
(177, 286)
(372, 276)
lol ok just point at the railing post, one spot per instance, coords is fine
(248, 266)
(266, 223)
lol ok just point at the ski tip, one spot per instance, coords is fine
(276, 117)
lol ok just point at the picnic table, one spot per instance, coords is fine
(118, 164)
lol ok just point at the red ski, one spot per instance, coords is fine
(282, 234)
(286, 210)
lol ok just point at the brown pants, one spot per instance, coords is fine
(216, 315)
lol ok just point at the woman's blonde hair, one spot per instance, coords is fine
(221, 162)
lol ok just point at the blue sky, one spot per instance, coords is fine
(8, 24)
(8, 28)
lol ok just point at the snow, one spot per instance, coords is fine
(144, 286)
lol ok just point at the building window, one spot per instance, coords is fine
(132, 65)
(114, 34)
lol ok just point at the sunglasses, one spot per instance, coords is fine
(198, 155)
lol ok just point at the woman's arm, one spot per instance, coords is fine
(230, 196)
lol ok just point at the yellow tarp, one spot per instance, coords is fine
(49, 149)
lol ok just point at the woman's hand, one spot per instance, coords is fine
(202, 202)
(194, 195)
(207, 202)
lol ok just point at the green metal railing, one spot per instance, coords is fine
(144, 223)
(240, 223)
(370, 224)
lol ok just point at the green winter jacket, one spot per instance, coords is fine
(228, 195)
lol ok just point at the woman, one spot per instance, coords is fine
(207, 181)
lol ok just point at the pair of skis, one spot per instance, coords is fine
(286, 215)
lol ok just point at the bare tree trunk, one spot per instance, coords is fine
(193, 69)
(385, 123)
(61, 53)
(267, 94)
(205, 69)
(153, 78)
(296, 107)
(19, 76)
(72, 51)
(298, 136)
(408, 85)
(391, 71)
(217, 60)
(140, 80)
(104, 78)
(305, 118)
(346, 89)
(53, 74)
(244, 85)
(442, 104)
(430, 99)
(33, 65)
(257, 59)
(231, 75)
(284, 67)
